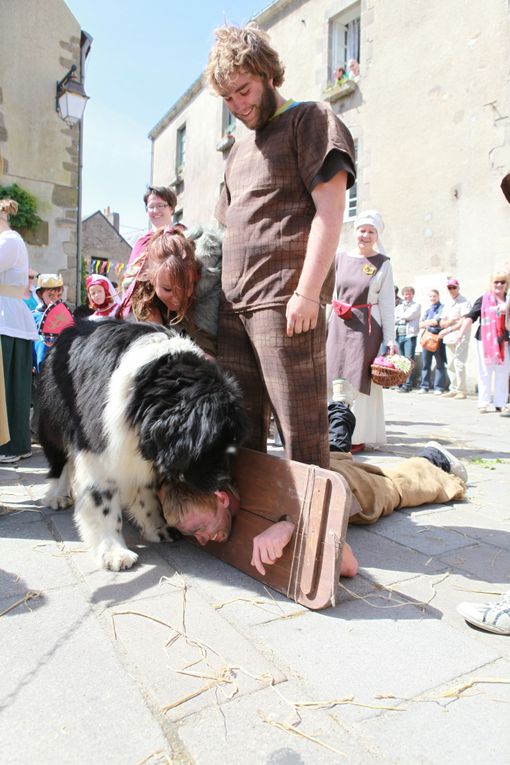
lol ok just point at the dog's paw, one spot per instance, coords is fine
(168, 534)
(115, 557)
(57, 503)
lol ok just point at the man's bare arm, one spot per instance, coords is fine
(329, 199)
(270, 544)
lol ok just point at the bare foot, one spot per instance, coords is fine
(349, 564)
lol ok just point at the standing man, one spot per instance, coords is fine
(282, 204)
(451, 319)
(407, 320)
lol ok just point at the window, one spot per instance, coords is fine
(228, 121)
(180, 155)
(344, 40)
(351, 195)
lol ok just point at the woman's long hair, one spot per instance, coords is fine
(169, 251)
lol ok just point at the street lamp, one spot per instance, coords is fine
(71, 98)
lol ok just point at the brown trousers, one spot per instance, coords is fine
(411, 483)
(284, 374)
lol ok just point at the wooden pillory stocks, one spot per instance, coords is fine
(315, 499)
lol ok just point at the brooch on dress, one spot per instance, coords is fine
(369, 269)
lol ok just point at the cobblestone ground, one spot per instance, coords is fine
(185, 660)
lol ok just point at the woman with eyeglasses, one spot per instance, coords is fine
(492, 344)
(160, 203)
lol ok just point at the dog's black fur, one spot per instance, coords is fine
(131, 418)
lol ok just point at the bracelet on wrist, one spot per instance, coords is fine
(312, 300)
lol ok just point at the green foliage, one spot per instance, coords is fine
(26, 217)
(489, 464)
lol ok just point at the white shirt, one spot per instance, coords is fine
(410, 313)
(455, 309)
(15, 317)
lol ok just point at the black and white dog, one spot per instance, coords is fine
(126, 408)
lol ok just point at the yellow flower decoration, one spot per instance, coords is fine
(368, 269)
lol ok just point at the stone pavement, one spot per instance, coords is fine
(185, 660)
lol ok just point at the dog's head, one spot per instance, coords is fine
(190, 419)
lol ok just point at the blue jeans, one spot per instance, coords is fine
(407, 348)
(440, 373)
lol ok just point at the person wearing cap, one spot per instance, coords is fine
(454, 310)
(16, 334)
(49, 289)
(362, 318)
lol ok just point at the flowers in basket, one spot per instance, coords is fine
(400, 363)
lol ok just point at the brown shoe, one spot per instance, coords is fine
(460, 395)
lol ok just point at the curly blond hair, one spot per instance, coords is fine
(8, 206)
(242, 49)
(168, 250)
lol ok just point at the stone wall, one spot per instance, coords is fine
(100, 239)
(39, 151)
(431, 116)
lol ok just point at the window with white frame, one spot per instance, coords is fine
(351, 195)
(344, 39)
(180, 154)
(228, 121)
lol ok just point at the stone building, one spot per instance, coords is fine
(429, 111)
(39, 42)
(103, 248)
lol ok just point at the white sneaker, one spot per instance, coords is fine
(456, 466)
(9, 458)
(438, 393)
(492, 617)
(423, 390)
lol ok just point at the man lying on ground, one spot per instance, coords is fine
(434, 476)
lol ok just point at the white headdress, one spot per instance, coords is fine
(372, 218)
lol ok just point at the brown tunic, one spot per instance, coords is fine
(350, 346)
(267, 207)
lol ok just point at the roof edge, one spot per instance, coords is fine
(263, 18)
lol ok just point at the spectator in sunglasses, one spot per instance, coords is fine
(492, 346)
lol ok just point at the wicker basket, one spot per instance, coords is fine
(387, 377)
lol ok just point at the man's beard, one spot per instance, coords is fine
(266, 108)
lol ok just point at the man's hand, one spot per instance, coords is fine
(329, 201)
(301, 315)
(270, 544)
